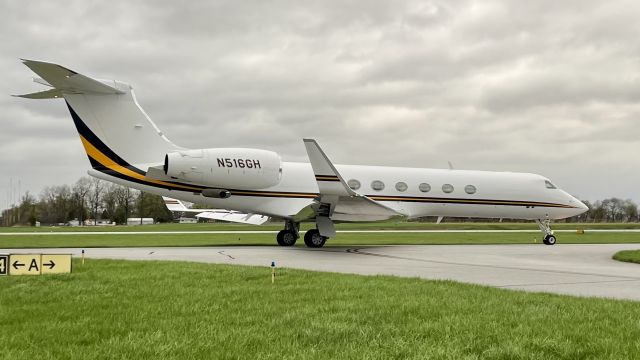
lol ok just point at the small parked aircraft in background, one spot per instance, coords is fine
(124, 146)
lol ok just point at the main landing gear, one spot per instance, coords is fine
(313, 239)
(544, 225)
(291, 233)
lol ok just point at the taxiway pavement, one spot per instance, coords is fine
(574, 269)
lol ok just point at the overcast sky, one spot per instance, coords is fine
(549, 87)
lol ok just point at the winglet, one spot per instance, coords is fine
(329, 180)
(173, 204)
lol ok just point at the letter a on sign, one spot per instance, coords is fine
(24, 264)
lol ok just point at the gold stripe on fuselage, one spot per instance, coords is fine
(104, 160)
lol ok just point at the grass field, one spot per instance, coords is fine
(385, 225)
(177, 310)
(343, 239)
(628, 256)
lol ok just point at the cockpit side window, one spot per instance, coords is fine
(549, 185)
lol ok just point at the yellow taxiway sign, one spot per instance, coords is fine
(56, 264)
(35, 264)
(25, 264)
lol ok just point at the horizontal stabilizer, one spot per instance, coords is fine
(253, 219)
(68, 81)
(47, 94)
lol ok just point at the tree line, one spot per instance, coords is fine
(92, 198)
(88, 198)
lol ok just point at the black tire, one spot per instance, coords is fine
(313, 239)
(549, 240)
(286, 238)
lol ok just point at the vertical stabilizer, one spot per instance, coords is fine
(107, 116)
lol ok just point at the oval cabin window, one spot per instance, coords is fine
(424, 187)
(377, 185)
(447, 188)
(354, 184)
(470, 189)
(401, 186)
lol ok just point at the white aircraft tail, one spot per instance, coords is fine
(113, 128)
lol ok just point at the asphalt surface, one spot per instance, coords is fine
(45, 233)
(574, 269)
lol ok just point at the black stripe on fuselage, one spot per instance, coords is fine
(466, 201)
(327, 178)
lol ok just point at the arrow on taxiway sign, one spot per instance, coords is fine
(50, 264)
(17, 265)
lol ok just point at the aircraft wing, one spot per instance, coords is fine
(175, 205)
(237, 217)
(337, 200)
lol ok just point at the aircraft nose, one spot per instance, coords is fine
(579, 205)
(582, 206)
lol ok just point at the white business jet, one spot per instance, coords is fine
(125, 147)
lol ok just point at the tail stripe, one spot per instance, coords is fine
(85, 132)
(107, 162)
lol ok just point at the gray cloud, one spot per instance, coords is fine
(540, 86)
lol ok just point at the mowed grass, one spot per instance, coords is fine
(384, 225)
(178, 310)
(268, 239)
(628, 256)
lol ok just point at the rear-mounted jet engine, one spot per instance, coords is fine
(225, 167)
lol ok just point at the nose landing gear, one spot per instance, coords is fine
(548, 237)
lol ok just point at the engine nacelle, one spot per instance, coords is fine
(225, 167)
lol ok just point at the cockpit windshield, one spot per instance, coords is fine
(549, 185)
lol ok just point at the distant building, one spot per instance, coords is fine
(91, 222)
(186, 220)
(136, 221)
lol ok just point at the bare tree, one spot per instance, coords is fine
(95, 197)
(110, 200)
(630, 210)
(80, 192)
(125, 196)
(614, 209)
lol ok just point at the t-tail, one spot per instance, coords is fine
(117, 135)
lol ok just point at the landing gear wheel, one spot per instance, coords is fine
(549, 240)
(286, 238)
(313, 239)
